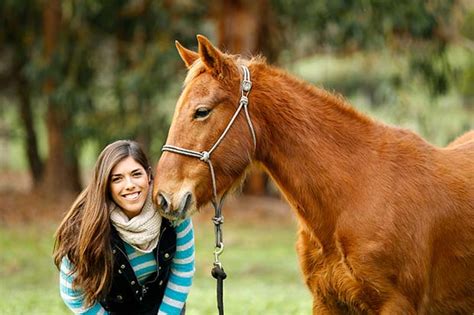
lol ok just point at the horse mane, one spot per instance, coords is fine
(325, 98)
(330, 99)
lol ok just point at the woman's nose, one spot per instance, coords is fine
(129, 183)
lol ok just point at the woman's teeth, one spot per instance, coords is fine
(131, 196)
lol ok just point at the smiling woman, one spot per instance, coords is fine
(115, 253)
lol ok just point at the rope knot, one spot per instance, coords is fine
(244, 100)
(218, 273)
(205, 156)
(218, 220)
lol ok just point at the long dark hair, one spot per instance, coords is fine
(84, 234)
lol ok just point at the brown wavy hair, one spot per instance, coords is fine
(84, 234)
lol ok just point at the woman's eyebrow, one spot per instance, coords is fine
(120, 174)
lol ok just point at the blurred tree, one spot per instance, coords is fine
(62, 168)
(247, 27)
(99, 67)
(142, 66)
(19, 24)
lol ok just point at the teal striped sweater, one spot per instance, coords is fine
(144, 264)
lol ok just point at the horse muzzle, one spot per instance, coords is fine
(173, 206)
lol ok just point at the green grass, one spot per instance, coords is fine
(260, 261)
(29, 282)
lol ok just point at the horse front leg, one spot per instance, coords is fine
(325, 306)
(397, 304)
(309, 253)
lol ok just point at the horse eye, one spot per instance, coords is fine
(201, 112)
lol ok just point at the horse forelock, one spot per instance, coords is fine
(196, 69)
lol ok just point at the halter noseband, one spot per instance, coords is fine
(205, 156)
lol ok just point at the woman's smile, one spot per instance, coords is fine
(132, 196)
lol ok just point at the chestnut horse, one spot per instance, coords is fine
(386, 219)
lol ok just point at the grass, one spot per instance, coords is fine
(260, 261)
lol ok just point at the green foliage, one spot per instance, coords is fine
(341, 24)
(467, 29)
(405, 26)
(467, 83)
(113, 61)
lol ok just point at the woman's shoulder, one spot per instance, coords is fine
(184, 226)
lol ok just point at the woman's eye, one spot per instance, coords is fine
(201, 112)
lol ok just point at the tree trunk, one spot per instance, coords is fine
(247, 27)
(62, 169)
(26, 114)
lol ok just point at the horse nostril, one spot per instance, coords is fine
(164, 203)
(186, 202)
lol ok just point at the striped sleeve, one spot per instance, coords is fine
(74, 298)
(182, 271)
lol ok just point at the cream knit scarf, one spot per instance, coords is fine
(142, 232)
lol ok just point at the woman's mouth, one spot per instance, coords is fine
(132, 196)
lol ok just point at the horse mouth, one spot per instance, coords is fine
(175, 216)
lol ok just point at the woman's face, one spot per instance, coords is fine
(129, 184)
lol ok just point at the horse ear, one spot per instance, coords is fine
(187, 55)
(211, 56)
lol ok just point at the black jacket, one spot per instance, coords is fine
(126, 296)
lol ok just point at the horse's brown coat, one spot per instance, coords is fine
(386, 219)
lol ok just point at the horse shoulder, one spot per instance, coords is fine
(386, 253)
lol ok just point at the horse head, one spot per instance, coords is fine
(208, 102)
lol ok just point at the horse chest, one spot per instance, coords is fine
(332, 281)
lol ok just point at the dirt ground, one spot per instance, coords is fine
(20, 205)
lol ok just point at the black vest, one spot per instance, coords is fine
(128, 297)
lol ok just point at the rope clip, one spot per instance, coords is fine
(217, 252)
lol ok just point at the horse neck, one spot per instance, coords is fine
(313, 145)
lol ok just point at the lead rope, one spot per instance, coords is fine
(205, 156)
(218, 271)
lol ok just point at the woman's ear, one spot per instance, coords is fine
(150, 174)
